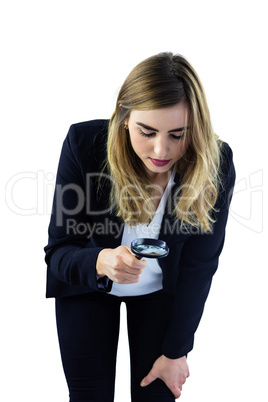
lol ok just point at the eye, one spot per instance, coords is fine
(146, 135)
(177, 137)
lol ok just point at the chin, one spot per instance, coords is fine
(159, 169)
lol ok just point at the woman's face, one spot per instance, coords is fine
(157, 137)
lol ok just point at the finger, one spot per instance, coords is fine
(132, 271)
(176, 393)
(123, 277)
(176, 390)
(125, 271)
(134, 263)
(121, 265)
(131, 259)
(148, 379)
(126, 279)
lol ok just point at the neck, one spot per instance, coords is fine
(159, 184)
(161, 179)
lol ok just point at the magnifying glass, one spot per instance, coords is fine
(149, 248)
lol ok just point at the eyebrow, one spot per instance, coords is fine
(154, 129)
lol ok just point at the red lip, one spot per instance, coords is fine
(160, 162)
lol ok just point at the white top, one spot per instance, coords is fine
(151, 278)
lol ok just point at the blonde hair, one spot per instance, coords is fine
(161, 81)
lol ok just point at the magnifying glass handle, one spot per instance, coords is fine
(138, 257)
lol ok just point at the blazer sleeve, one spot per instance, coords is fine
(198, 264)
(71, 257)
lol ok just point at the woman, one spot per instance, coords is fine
(154, 170)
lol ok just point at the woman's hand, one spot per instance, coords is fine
(172, 371)
(120, 265)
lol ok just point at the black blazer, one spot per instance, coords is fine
(83, 223)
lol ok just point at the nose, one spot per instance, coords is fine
(161, 147)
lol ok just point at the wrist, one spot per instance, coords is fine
(100, 264)
(182, 358)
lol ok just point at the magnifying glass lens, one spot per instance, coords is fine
(149, 248)
(152, 250)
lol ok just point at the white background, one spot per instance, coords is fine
(64, 62)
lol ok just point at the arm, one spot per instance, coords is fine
(173, 372)
(192, 291)
(71, 257)
(199, 262)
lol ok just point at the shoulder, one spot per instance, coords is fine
(90, 126)
(226, 153)
(226, 175)
(85, 133)
(227, 168)
(87, 140)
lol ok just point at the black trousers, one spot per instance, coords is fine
(88, 329)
